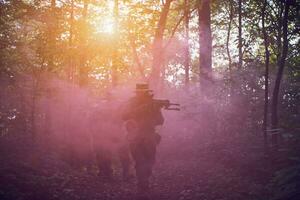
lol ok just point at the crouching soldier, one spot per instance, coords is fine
(141, 116)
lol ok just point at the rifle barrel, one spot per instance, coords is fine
(177, 109)
(174, 104)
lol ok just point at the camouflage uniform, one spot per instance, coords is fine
(146, 116)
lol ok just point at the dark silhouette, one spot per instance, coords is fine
(142, 116)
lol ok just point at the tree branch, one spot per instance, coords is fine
(175, 29)
(136, 57)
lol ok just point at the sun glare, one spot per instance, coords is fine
(106, 25)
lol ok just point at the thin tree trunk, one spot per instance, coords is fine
(267, 60)
(52, 46)
(115, 54)
(281, 65)
(71, 78)
(157, 51)
(71, 69)
(187, 37)
(205, 39)
(33, 129)
(83, 68)
(136, 59)
(33, 106)
(228, 36)
(279, 30)
(51, 37)
(240, 37)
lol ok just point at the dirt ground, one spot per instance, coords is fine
(185, 169)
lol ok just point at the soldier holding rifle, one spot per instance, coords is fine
(141, 116)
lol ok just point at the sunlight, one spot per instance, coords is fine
(106, 25)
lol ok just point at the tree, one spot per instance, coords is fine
(205, 40)
(187, 38)
(228, 35)
(115, 56)
(266, 84)
(157, 46)
(83, 68)
(240, 36)
(280, 65)
(52, 35)
(71, 65)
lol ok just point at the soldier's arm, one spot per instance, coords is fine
(157, 116)
(129, 111)
(160, 118)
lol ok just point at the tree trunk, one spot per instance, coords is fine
(115, 55)
(83, 68)
(71, 70)
(279, 30)
(52, 35)
(187, 37)
(136, 58)
(228, 36)
(267, 60)
(240, 37)
(71, 78)
(52, 46)
(205, 39)
(35, 83)
(281, 65)
(33, 106)
(157, 51)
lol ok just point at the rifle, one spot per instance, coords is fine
(154, 103)
(166, 104)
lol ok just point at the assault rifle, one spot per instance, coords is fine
(166, 104)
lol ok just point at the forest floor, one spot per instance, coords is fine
(185, 169)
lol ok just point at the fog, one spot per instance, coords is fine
(78, 120)
(215, 134)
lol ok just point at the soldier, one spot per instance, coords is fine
(108, 141)
(141, 116)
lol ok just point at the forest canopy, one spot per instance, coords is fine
(105, 44)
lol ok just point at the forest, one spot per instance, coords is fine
(69, 67)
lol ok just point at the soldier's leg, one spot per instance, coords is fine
(137, 155)
(144, 156)
(104, 162)
(124, 155)
(142, 174)
(149, 154)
